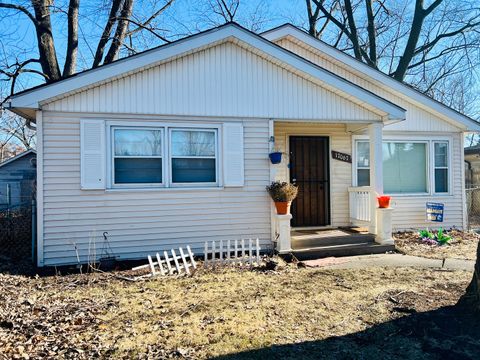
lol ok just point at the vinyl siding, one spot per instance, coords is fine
(409, 211)
(417, 119)
(340, 172)
(142, 222)
(224, 80)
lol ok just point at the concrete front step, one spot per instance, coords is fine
(304, 242)
(365, 248)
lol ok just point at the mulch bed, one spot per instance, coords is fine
(462, 246)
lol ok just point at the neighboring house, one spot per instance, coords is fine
(472, 166)
(170, 147)
(17, 180)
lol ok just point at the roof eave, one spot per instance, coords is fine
(32, 99)
(464, 122)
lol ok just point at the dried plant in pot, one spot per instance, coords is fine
(282, 193)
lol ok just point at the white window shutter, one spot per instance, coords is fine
(92, 149)
(233, 157)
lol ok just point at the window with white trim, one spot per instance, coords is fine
(163, 156)
(137, 156)
(441, 174)
(193, 156)
(406, 166)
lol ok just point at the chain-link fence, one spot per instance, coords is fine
(17, 228)
(473, 208)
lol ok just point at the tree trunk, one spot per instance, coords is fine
(417, 24)
(353, 30)
(372, 36)
(112, 18)
(72, 46)
(46, 45)
(120, 33)
(471, 299)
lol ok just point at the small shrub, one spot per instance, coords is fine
(430, 238)
(442, 238)
(426, 234)
(282, 191)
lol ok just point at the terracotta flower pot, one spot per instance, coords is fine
(283, 207)
(383, 202)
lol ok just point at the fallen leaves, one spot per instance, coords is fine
(46, 323)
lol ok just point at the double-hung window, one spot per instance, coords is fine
(164, 156)
(441, 166)
(193, 156)
(137, 156)
(406, 166)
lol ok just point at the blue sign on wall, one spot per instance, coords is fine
(435, 212)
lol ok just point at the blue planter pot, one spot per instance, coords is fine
(275, 157)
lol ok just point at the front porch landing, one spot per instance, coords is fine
(345, 241)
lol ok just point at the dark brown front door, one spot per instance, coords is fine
(309, 169)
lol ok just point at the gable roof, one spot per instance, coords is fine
(16, 157)
(416, 96)
(32, 99)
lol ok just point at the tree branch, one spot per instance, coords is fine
(106, 33)
(152, 17)
(120, 33)
(22, 9)
(143, 26)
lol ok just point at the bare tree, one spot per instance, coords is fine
(435, 31)
(120, 23)
(210, 13)
(115, 31)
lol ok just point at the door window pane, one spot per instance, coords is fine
(404, 167)
(138, 170)
(138, 142)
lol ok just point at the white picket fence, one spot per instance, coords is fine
(235, 252)
(170, 265)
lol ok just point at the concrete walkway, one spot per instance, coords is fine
(390, 260)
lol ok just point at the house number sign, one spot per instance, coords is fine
(341, 156)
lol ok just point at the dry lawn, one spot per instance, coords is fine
(462, 246)
(284, 314)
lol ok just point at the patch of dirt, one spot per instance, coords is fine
(462, 246)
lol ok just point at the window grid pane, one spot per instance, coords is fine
(404, 166)
(138, 170)
(193, 143)
(138, 142)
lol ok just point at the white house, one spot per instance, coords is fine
(170, 147)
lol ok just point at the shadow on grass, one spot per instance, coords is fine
(446, 333)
